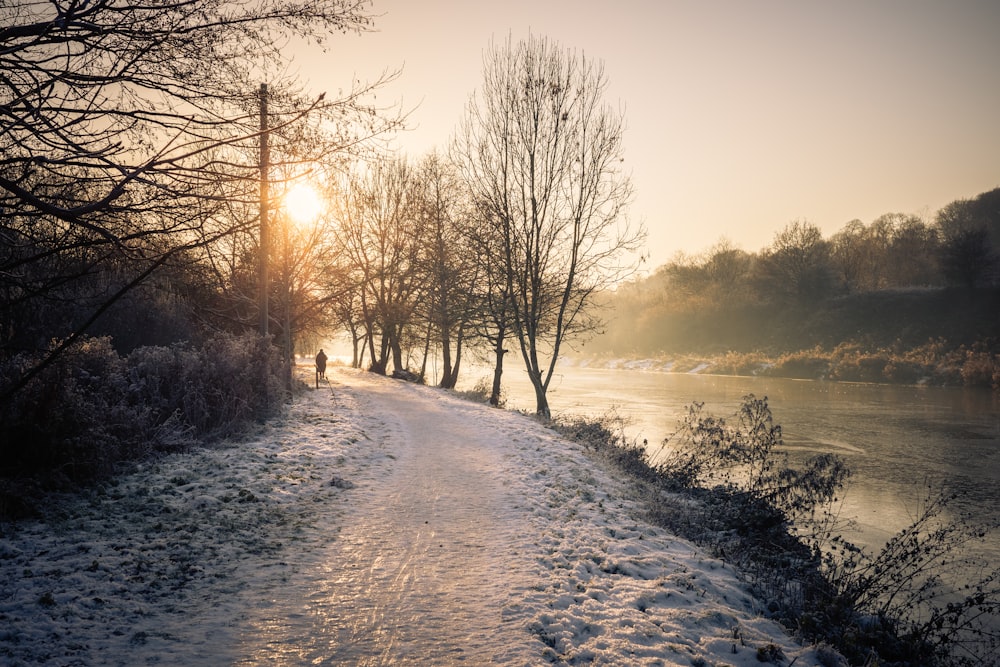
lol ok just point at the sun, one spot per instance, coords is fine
(303, 203)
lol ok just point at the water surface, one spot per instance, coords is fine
(897, 440)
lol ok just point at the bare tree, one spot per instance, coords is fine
(118, 95)
(852, 256)
(970, 230)
(913, 254)
(728, 268)
(493, 317)
(967, 260)
(345, 309)
(896, 250)
(721, 275)
(381, 238)
(121, 129)
(543, 153)
(450, 264)
(797, 265)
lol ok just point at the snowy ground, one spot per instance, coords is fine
(379, 523)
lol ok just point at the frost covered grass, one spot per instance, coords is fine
(378, 522)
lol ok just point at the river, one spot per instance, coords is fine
(897, 440)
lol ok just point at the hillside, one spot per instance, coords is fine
(944, 336)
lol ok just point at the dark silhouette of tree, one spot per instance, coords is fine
(382, 239)
(912, 258)
(796, 266)
(729, 269)
(967, 259)
(987, 211)
(852, 256)
(896, 250)
(981, 212)
(492, 303)
(125, 130)
(542, 153)
(721, 275)
(344, 308)
(970, 230)
(450, 265)
(689, 281)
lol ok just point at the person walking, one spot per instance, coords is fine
(320, 367)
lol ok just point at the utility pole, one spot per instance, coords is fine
(264, 239)
(286, 334)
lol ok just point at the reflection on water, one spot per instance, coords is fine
(896, 439)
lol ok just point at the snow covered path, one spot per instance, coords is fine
(380, 523)
(418, 571)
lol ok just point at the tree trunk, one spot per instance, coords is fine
(497, 373)
(530, 354)
(458, 361)
(541, 399)
(397, 352)
(427, 352)
(378, 363)
(357, 350)
(447, 380)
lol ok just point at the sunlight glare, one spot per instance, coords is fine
(303, 203)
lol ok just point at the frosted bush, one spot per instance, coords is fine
(92, 409)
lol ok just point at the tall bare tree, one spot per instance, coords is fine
(492, 304)
(852, 256)
(450, 264)
(381, 238)
(543, 154)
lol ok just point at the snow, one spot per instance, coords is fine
(378, 523)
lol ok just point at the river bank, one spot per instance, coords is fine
(933, 363)
(904, 444)
(898, 440)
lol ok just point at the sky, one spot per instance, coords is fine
(741, 117)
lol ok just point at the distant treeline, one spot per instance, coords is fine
(900, 299)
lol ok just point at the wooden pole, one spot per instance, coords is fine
(264, 240)
(286, 334)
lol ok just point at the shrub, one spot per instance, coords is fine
(740, 363)
(606, 435)
(745, 458)
(236, 380)
(724, 484)
(215, 390)
(981, 369)
(480, 393)
(850, 362)
(92, 409)
(804, 365)
(917, 601)
(72, 420)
